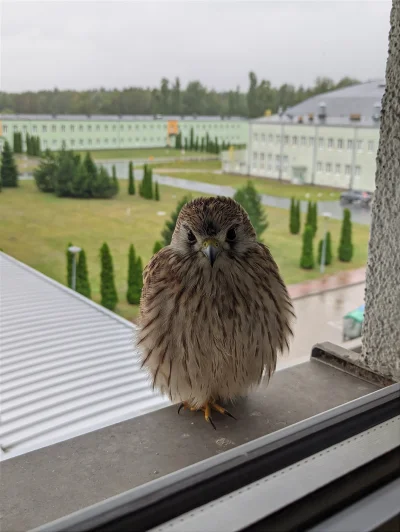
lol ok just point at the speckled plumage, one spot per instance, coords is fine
(210, 332)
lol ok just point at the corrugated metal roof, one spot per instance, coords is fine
(68, 366)
(340, 104)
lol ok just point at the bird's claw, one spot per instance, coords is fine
(207, 411)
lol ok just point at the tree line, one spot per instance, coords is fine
(169, 98)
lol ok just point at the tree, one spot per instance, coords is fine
(178, 141)
(79, 186)
(104, 186)
(186, 144)
(196, 144)
(146, 187)
(131, 186)
(298, 217)
(17, 142)
(307, 254)
(8, 171)
(109, 297)
(191, 139)
(70, 261)
(157, 246)
(131, 294)
(252, 96)
(92, 172)
(202, 144)
(315, 218)
(28, 144)
(250, 200)
(170, 224)
(114, 179)
(345, 251)
(156, 192)
(82, 277)
(293, 217)
(310, 214)
(328, 251)
(45, 173)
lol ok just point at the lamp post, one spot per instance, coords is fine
(74, 250)
(326, 216)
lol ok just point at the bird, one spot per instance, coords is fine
(214, 310)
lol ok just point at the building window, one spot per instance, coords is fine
(328, 168)
(80, 128)
(358, 171)
(340, 144)
(54, 142)
(330, 143)
(89, 128)
(54, 129)
(270, 157)
(62, 128)
(114, 127)
(255, 158)
(72, 142)
(24, 128)
(72, 128)
(294, 141)
(278, 139)
(349, 144)
(337, 168)
(98, 127)
(321, 142)
(45, 143)
(311, 141)
(286, 161)
(5, 129)
(255, 137)
(359, 145)
(286, 139)
(347, 169)
(277, 162)
(262, 158)
(90, 142)
(106, 140)
(15, 128)
(81, 142)
(370, 146)
(97, 141)
(44, 129)
(270, 138)
(262, 138)
(34, 129)
(121, 127)
(106, 128)
(129, 127)
(303, 141)
(319, 166)
(114, 140)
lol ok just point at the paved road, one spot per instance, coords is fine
(319, 319)
(359, 215)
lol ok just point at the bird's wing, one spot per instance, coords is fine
(152, 274)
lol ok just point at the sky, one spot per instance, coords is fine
(113, 44)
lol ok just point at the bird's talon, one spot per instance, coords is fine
(222, 410)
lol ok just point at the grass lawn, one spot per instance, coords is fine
(35, 228)
(265, 186)
(140, 153)
(210, 166)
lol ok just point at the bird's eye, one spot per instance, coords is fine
(191, 237)
(231, 234)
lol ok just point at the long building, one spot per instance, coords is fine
(330, 139)
(115, 132)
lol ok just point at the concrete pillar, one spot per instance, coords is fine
(381, 335)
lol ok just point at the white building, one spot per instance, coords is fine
(330, 140)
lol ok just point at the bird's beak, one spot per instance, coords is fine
(211, 249)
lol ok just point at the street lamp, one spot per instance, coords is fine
(326, 216)
(74, 250)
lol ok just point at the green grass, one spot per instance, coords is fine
(210, 166)
(265, 186)
(139, 153)
(35, 228)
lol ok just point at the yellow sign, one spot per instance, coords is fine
(268, 112)
(172, 127)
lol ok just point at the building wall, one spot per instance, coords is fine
(95, 134)
(332, 156)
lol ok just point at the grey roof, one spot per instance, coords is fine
(331, 121)
(134, 118)
(68, 365)
(339, 104)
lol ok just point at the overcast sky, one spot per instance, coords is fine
(80, 45)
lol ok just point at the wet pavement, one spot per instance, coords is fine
(319, 319)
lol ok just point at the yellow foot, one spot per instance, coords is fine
(207, 411)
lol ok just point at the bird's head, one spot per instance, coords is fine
(213, 229)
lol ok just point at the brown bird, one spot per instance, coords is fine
(214, 309)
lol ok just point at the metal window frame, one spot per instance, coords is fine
(164, 499)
